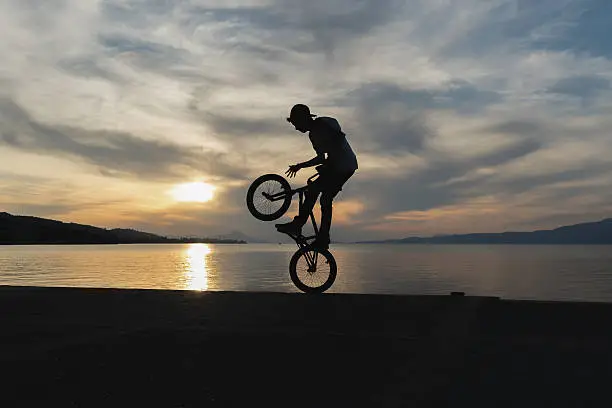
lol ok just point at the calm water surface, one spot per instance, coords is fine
(509, 271)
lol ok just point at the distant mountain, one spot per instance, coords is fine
(240, 236)
(22, 230)
(599, 232)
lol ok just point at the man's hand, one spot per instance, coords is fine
(293, 170)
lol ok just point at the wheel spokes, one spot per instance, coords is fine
(262, 203)
(312, 273)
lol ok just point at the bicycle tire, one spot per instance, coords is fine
(255, 203)
(299, 282)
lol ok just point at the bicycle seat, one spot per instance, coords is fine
(311, 178)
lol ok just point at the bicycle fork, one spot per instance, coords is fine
(311, 215)
(311, 256)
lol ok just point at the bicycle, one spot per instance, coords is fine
(268, 198)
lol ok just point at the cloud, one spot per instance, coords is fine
(88, 68)
(46, 196)
(456, 94)
(427, 188)
(585, 87)
(514, 23)
(444, 102)
(112, 153)
(534, 157)
(516, 127)
(238, 126)
(392, 118)
(329, 25)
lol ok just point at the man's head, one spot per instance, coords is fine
(301, 118)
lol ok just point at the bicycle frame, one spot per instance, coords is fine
(301, 240)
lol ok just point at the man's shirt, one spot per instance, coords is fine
(326, 136)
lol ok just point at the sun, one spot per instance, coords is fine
(197, 191)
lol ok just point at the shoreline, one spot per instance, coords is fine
(120, 243)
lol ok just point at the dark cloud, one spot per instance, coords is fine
(527, 182)
(515, 151)
(334, 24)
(179, 63)
(427, 190)
(10, 138)
(236, 126)
(148, 56)
(330, 25)
(517, 127)
(459, 95)
(154, 52)
(113, 153)
(88, 67)
(528, 135)
(465, 97)
(388, 133)
(262, 51)
(424, 190)
(581, 86)
(393, 119)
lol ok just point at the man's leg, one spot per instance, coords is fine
(331, 190)
(327, 197)
(310, 198)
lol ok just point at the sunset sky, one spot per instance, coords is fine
(466, 115)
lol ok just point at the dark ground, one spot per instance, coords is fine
(106, 347)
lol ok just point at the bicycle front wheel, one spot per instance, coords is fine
(269, 197)
(313, 271)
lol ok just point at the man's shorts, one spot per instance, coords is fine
(329, 181)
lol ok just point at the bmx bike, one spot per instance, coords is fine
(268, 198)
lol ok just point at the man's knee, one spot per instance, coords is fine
(312, 195)
(326, 202)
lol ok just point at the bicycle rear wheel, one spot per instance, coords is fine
(312, 271)
(264, 208)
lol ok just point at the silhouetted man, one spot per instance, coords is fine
(340, 164)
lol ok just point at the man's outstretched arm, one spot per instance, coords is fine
(320, 159)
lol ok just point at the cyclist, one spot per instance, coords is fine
(336, 163)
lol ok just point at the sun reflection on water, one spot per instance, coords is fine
(196, 271)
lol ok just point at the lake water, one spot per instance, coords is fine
(510, 271)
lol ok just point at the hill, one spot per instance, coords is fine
(590, 233)
(22, 230)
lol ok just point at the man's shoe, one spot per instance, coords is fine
(291, 228)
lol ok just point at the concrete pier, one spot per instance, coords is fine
(113, 347)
